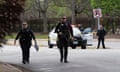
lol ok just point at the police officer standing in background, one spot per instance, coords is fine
(80, 27)
(101, 34)
(25, 36)
(65, 33)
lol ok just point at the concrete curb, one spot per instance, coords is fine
(6, 67)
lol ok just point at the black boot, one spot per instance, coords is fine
(24, 62)
(66, 61)
(61, 60)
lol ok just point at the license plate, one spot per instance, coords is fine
(75, 42)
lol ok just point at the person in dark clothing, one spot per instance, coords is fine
(25, 36)
(80, 27)
(65, 33)
(101, 34)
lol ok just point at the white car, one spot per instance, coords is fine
(88, 35)
(79, 38)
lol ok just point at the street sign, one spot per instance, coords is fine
(97, 13)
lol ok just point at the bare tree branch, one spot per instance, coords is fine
(62, 4)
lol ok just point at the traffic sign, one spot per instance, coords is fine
(97, 13)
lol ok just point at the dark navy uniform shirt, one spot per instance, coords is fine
(101, 33)
(25, 35)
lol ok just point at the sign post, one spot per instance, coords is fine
(97, 14)
(98, 19)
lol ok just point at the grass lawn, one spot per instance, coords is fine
(37, 35)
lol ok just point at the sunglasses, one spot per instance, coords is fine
(64, 18)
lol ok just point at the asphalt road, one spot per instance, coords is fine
(47, 60)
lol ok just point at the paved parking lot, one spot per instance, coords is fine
(47, 60)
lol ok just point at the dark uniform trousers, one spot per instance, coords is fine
(101, 40)
(25, 47)
(101, 34)
(63, 48)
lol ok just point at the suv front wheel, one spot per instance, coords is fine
(50, 45)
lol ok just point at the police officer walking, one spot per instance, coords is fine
(25, 36)
(65, 33)
(101, 34)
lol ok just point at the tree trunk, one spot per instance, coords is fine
(113, 26)
(44, 12)
(45, 25)
(73, 11)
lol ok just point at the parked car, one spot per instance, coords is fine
(79, 39)
(88, 35)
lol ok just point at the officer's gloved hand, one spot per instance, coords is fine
(72, 38)
(60, 33)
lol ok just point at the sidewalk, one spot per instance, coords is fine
(5, 67)
(109, 39)
(42, 42)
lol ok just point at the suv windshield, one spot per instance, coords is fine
(87, 30)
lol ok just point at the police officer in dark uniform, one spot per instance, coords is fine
(80, 27)
(101, 34)
(25, 36)
(65, 33)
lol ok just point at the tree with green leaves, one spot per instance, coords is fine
(110, 8)
(76, 6)
(38, 9)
